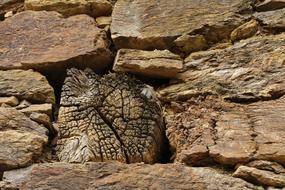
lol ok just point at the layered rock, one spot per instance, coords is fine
(21, 139)
(120, 176)
(213, 130)
(114, 117)
(155, 64)
(250, 70)
(68, 8)
(47, 42)
(148, 24)
(26, 85)
(262, 173)
(272, 20)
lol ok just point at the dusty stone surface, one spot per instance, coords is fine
(38, 108)
(21, 139)
(261, 177)
(272, 20)
(108, 118)
(244, 31)
(12, 101)
(269, 5)
(268, 166)
(71, 7)
(11, 6)
(141, 24)
(156, 64)
(191, 43)
(26, 85)
(211, 130)
(38, 36)
(121, 176)
(250, 70)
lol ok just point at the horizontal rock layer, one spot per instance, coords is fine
(156, 64)
(121, 176)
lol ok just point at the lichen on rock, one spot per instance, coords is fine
(108, 118)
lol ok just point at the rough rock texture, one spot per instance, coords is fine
(115, 117)
(261, 177)
(28, 85)
(273, 20)
(71, 7)
(213, 130)
(21, 140)
(34, 39)
(244, 31)
(10, 6)
(156, 64)
(269, 5)
(151, 24)
(38, 108)
(11, 101)
(121, 176)
(250, 70)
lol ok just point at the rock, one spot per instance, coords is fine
(27, 85)
(108, 118)
(23, 104)
(149, 25)
(12, 100)
(121, 176)
(21, 140)
(39, 108)
(269, 5)
(260, 177)
(103, 21)
(204, 131)
(13, 6)
(191, 43)
(244, 72)
(267, 165)
(244, 31)
(38, 36)
(156, 64)
(272, 19)
(71, 7)
(41, 118)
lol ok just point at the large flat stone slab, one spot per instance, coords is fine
(45, 41)
(121, 176)
(151, 24)
(71, 7)
(250, 70)
(156, 64)
(26, 85)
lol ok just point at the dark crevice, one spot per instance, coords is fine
(250, 100)
(115, 133)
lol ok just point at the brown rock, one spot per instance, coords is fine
(12, 100)
(267, 165)
(244, 31)
(260, 177)
(191, 43)
(28, 85)
(41, 118)
(39, 36)
(141, 24)
(200, 131)
(272, 19)
(71, 7)
(156, 64)
(21, 140)
(269, 5)
(39, 108)
(10, 6)
(246, 71)
(121, 176)
(103, 21)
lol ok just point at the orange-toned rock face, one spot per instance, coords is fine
(46, 41)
